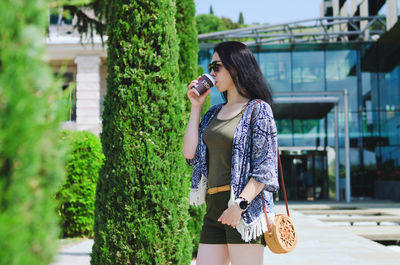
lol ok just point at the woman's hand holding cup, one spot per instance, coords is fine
(197, 101)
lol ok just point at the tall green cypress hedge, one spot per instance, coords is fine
(188, 70)
(141, 208)
(188, 48)
(30, 161)
(188, 44)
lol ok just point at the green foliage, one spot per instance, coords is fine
(197, 212)
(211, 10)
(196, 222)
(188, 45)
(207, 102)
(76, 196)
(59, 3)
(30, 159)
(85, 24)
(65, 14)
(188, 70)
(209, 23)
(141, 207)
(241, 18)
(229, 24)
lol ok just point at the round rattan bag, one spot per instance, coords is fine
(281, 237)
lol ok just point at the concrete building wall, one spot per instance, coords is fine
(88, 93)
(87, 65)
(392, 13)
(351, 7)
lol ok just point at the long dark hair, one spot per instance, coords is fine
(244, 70)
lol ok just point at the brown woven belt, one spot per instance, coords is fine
(219, 189)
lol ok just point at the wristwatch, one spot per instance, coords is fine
(242, 203)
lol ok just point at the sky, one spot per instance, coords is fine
(261, 11)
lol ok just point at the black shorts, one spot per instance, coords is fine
(214, 232)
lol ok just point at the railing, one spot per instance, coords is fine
(326, 29)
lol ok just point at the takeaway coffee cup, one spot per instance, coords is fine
(206, 82)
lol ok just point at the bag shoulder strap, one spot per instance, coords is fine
(280, 170)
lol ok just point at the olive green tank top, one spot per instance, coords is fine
(218, 137)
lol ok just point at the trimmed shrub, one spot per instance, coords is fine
(188, 70)
(196, 222)
(188, 44)
(141, 207)
(76, 196)
(30, 160)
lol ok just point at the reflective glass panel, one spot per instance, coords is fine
(276, 67)
(341, 73)
(308, 71)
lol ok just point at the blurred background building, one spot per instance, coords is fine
(336, 85)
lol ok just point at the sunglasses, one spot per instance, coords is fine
(214, 66)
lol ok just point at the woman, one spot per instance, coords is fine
(232, 163)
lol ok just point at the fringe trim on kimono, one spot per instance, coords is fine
(256, 228)
(198, 196)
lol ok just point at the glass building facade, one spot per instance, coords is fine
(370, 72)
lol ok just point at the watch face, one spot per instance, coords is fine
(243, 205)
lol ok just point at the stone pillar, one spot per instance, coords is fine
(344, 13)
(391, 13)
(364, 12)
(323, 7)
(336, 13)
(353, 7)
(88, 94)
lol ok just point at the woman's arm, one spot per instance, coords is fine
(191, 138)
(264, 153)
(232, 215)
(251, 190)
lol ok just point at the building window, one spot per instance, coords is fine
(69, 96)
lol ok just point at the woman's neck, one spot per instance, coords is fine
(234, 98)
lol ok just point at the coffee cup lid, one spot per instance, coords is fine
(211, 78)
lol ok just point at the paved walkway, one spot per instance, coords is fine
(319, 242)
(324, 243)
(77, 254)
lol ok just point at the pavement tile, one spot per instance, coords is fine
(319, 242)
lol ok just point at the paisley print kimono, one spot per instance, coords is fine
(252, 157)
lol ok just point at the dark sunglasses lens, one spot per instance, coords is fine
(213, 66)
(216, 67)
